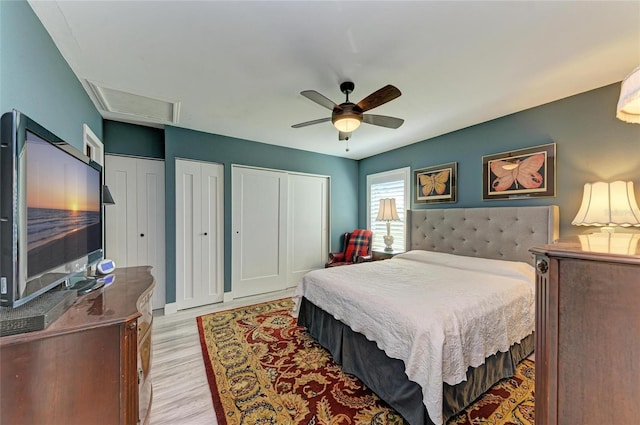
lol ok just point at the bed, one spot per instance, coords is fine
(432, 329)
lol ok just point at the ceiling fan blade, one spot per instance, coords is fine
(380, 97)
(382, 120)
(318, 121)
(319, 99)
(343, 135)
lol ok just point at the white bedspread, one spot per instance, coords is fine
(438, 313)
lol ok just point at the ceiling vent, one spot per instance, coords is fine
(143, 107)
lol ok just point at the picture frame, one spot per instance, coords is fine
(436, 184)
(520, 174)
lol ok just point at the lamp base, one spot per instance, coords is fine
(388, 241)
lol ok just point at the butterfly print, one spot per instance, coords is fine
(434, 182)
(521, 173)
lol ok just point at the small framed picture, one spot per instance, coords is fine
(520, 174)
(435, 184)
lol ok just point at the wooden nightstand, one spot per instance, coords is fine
(381, 254)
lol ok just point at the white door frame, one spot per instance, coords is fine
(90, 140)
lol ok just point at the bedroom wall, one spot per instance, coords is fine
(36, 80)
(592, 145)
(134, 140)
(190, 144)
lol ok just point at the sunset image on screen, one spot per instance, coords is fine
(63, 200)
(56, 180)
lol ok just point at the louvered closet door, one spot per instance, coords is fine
(199, 233)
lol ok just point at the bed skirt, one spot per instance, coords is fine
(385, 376)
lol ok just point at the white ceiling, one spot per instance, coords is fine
(237, 67)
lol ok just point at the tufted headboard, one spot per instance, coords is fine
(503, 233)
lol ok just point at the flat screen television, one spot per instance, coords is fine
(50, 210)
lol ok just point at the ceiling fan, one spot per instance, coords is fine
(347, 116)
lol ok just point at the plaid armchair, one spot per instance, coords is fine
(356, 249)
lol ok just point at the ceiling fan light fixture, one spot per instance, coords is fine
(347, 124)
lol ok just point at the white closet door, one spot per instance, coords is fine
(308, 220)
(259, 227)
(135, 224)
(121, 219)
(212, 241)
(199, 233)
(151, 224)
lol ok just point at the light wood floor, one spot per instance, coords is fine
(181, 394)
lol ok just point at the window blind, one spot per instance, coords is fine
(391, 184)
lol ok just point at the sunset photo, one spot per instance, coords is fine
(63, 205)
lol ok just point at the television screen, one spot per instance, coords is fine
(63, 207)
(50, 204)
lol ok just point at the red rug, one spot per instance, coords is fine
(264, 369)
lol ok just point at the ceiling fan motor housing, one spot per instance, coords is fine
(346, 110)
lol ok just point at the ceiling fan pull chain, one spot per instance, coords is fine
(347, 149)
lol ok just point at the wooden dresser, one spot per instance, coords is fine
(91, 366)
(588, 331)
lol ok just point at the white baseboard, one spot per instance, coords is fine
(228, 297)
(170, 308)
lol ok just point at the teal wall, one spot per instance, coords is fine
(135, 140)
(592, 145)
(189, 144)
(36, 80)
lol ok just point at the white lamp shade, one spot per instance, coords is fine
(608, 204)
(629, 104)
(387, 210)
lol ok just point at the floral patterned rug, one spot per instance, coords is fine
(264, 369)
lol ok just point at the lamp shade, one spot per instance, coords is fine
(107, 199)
(608, 204)
(387, 210)
(629, 104)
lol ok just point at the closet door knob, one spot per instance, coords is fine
(205, 233)
(142, 235)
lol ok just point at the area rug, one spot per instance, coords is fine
(264, 369)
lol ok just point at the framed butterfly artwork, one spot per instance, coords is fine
(435, 184)
(520, 174)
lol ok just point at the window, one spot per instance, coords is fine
(389, 184)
